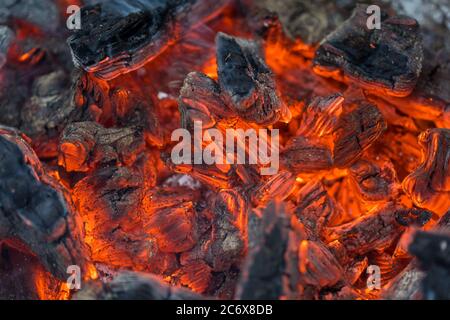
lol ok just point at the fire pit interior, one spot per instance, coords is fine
(358, 207)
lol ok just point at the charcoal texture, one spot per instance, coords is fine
(134, 286)
(386, 60)
(35, 210)
(120, 36)
(246, 80)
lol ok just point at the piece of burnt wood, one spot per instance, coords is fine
(303, 156)
(247, 83)
(386, 60)
(134, 286)
(87, 145)
(355, 132)
(45, 114)
(316, 209)
(36, 209)
(114, 204)
(374, 182)
(265, 263)
(321, 115)
(120, 36)
(430, 99)
(201, 100)
(229, 230)
(376, 230)
(317, 265)
(429, 185)
(276, 187)
(433, 253)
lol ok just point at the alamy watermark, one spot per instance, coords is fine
(74, 20)
(262, 147)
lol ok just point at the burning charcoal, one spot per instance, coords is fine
(173, 228)
(433, 253)
(376, 230)
(301, 155)
(429, 184)
(134, 286)
(315, 208)
(386, 60)
(113, 204)
(120, 36)
(36, 209)
(278, 187)
(195, 275)
(201, 100)
(265, 263)
(318, 267)
(413, 217)
(6, 38)
(87, 145)
(373, 182)
(45, 114)
(321, 116)
(228, 231)
(355, 132)
(247, 82)
(430, 99)
(356, 269)
(308, 21)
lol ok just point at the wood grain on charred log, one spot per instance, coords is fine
(386, 60)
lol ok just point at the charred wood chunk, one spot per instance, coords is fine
(229, 230)
(36, 209)
(413, 217)
(374, 182)
(302, 155)
(119, 36)
(112, 204)
(386, 60)
(356, 131)
(376, 230)
(201, 100)
(45, 114)
(87, 145)
(315, 208)
(247, 82)
(433, 253)
(317, 265)
(306, 20)
(321, 116)
(134, 286)
(265, 263)
(277, 187)
(430, 99)
(429, 184)
(173, 228)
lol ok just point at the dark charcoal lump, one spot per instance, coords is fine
(246, 81)
(134, 286)
(119, 36)
(262, 274)
(32, 210)
(386, 60)
(433, 253)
